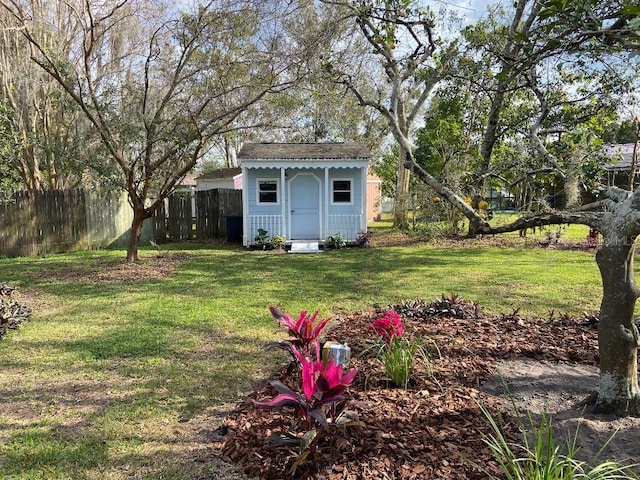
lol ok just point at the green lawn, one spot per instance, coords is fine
(115, 379)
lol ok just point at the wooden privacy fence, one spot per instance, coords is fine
(201, 215)
(54, 221)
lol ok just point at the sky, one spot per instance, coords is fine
(471, 10)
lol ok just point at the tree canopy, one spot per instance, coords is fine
(157, 88)
(533, 85)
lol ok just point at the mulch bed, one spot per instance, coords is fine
(433, 429)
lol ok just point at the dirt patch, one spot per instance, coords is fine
(99, 271)
(434, 429)
(558, 389)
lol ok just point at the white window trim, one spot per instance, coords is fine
(350, 180)
(271, 180)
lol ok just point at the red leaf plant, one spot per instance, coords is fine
(321, 407)
(303, 332)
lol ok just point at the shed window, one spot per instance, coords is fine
(267, 191)
(342, 191)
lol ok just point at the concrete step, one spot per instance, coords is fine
(301, 246)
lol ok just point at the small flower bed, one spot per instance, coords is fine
(434, 429)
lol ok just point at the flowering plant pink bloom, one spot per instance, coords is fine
(389, 326)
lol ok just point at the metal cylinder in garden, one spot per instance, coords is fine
(338, 353)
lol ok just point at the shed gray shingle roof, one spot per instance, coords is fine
(259, 151)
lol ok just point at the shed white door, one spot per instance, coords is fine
(304, 205)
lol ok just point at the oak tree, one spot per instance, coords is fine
(527, 51)
(157, 85)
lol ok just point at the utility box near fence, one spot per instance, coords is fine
(234, 229)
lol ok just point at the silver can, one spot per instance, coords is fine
(335, 352)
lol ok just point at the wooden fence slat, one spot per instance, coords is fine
(211, 210)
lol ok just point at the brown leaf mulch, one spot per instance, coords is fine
(433, 429)
(397, 238)
(151, 266)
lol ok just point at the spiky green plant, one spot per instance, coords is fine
(540, 457)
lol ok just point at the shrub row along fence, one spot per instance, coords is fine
(201, 215)
(53, 221)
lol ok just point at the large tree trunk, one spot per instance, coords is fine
(617, 334)
(140, 214)
(29, 169)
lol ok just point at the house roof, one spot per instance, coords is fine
(220, 173)
(189, 180)
(303, 151)
(622, 156)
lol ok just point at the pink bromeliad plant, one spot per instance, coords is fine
(389, 326)
(396, 352)
(320, 406)
(304, 332)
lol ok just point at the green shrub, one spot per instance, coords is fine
(266, 242)
(278, 241)
(262, 239)
(335, 241)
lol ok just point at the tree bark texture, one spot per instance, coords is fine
(617, 334)
(401, 204)
(140, 214)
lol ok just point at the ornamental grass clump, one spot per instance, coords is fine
(397, 352)
(539, 457)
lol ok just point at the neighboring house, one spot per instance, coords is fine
(187, 184)
(619, 168)
(222, 178)
(374, 198)
(304, 191)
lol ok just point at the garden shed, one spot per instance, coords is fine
(304, 191)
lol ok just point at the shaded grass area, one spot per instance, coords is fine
(119, 379)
